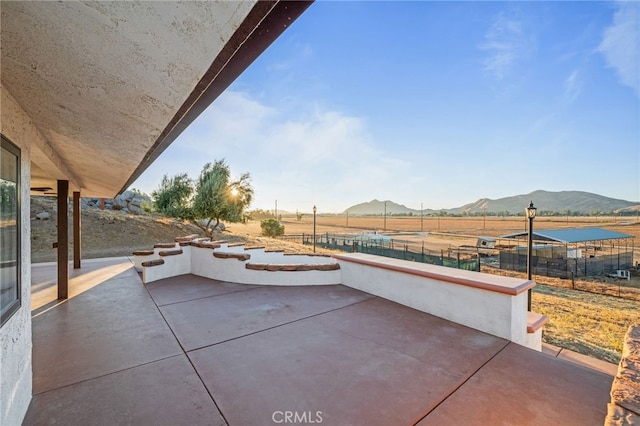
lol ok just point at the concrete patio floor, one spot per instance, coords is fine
(189, 350)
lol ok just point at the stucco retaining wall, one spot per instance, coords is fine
(624, 408)
(202, 262)
(489, 303)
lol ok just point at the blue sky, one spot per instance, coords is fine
(439, 103)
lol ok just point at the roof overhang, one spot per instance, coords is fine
(573, 235)
(110, 85)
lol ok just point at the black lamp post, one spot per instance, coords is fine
(314, 228)
(531, 214)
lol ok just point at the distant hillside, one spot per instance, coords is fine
(574, 201)
(377, 207)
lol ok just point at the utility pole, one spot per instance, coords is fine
(276, 210)
(421, 217)
(484, 222)
(385, 215)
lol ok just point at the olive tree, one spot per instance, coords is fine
(213, 197)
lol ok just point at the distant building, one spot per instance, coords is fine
(571, 252)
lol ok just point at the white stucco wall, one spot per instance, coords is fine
(493, 312)
(200, 261)
(15, 334)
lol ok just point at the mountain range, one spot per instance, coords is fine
(562, 201)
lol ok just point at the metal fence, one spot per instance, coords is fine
(566, 268)
(397, 249)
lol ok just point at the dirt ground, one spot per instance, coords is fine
(107, 233)
(491, 226)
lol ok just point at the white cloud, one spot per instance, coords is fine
(300, 156)
(506, 43)
(572, 86)
(621, 44)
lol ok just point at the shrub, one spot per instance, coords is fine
(271, 228)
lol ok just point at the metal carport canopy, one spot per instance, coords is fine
(573, 235)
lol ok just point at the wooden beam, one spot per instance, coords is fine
(77, 229)
(63, 239)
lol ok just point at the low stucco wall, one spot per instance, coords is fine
(493, 304)
(15, 334)
(202, 262)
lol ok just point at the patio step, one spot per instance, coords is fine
(226, 255)
(292, 267)
(143, 253)
(155, 262)
(535, 322)
(205, 244)
(170, 253)
(164, 245)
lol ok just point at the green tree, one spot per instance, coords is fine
(271, 228)
(213, 197)
(259, 214)
(173, 196)
(218, 198)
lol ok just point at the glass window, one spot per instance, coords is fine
(9, 230)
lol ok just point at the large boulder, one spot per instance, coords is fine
(135, 209)
(131, 201)
(128, 195)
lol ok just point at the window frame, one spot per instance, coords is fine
(15, 305)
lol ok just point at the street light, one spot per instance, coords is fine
(531, 214)
(314, 228)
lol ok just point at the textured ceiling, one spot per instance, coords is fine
(102, 80)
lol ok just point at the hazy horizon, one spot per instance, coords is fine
(439, 103)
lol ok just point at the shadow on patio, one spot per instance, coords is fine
(190, 350)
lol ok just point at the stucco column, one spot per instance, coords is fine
(77, 229)
(63, 239)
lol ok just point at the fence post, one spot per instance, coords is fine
(586, 261)
(573, 282)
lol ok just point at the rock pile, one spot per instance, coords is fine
(127, 202)
(624, 408)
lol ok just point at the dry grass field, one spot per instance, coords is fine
(490, 226)
(443, 232)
